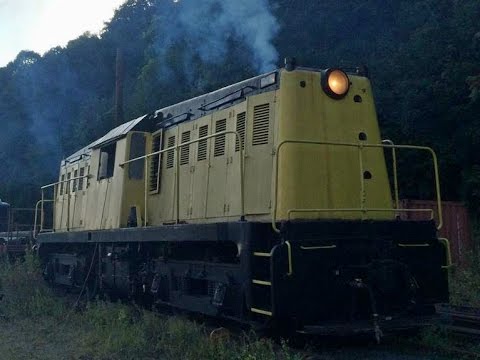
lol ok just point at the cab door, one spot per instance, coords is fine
(201, 166)
(236, 153)
(217, 177)
(185, 170)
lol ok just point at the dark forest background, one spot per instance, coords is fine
(423, 56)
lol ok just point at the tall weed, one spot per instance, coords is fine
(126, 332)
(116, 331)
(25, 294)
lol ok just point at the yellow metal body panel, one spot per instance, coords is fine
(99, 203)
(217, 178)
(201, 166)
(133, 194)
(310, 176)
(105, 195)
(259, 157)
(210, 181)
(327, 176)
(71, 198)
(161, 206)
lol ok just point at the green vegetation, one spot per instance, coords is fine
(423, 58)
(38, 325)
(447, 343)
(424, 61)
(465, 284)
(25, 294)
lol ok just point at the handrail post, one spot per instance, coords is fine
(36, 219)
(289, 255)
(242, 169)
(55, 191)
(9, 225)
(395, 173)
(446, 244)
(177, 182)
(395, 178)
(68, 203)
(362, 181)
(437, 189)
(145, 192)
(42, 215)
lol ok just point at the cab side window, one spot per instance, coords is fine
(137, 149)
(106, 167)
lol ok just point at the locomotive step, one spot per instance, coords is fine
(261, 312)
(261, 282)
(262, 254)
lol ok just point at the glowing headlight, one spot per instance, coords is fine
(335, 83)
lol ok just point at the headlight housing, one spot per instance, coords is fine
(335, 83)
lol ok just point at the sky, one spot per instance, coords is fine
(39, 25)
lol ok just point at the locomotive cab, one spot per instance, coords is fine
(94, 192)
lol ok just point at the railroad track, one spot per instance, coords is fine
(461, 320)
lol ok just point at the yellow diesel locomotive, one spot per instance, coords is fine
(268, 201)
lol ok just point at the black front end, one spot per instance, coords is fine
(357, 276)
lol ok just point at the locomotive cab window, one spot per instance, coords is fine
(106, 167)
(137, 149)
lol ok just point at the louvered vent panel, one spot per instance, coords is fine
(185, 150)
(170, 153)
(202, 144)
(261, 124)
(62, 182)
(241, 123)
(155, 163)
(219, 149)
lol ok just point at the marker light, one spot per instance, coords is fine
(335, 83)
(268, 80)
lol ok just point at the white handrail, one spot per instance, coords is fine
(176, 148)
(360, 147)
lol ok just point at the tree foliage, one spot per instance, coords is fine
(423, 56)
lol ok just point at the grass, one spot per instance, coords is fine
(36, 324)
(464, 291)
(465, 282)
(25, 295)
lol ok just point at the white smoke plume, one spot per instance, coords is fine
(208, 25)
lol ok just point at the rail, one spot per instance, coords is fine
(446, 243)
(387, 144)
(41, 203)
(177, 149)
(463, 320)
(17, 223)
